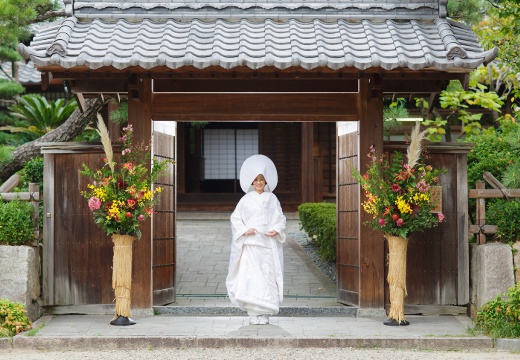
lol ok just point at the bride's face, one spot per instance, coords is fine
(259, 184)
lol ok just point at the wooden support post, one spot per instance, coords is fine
(34, 197)
(307, 162)
(481, 213)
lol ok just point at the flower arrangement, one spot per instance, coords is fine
(399, 195)
(120, 195)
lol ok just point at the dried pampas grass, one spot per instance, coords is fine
(413, 153)
(105, 140)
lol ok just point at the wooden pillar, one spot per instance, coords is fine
(307, 162)
(139, 116)
(371, 243)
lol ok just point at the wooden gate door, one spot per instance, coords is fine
(164, 226)
(347, 246)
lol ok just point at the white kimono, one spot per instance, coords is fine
(255, 275)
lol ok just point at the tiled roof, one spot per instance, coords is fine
(256, 9)
(101, 34)
(27, 74)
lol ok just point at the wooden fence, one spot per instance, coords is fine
(33, 195)
(481, 194)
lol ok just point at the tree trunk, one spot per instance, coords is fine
(67, 131)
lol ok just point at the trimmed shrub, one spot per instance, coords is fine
(318, 220)
(506, 216)
(17, 226)
(33, 172)
(13, 318)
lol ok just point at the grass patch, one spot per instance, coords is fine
(34, 331)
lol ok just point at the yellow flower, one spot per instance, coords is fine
(100, 193)
(403, 206)
(114, 210)
(147, 195)
(421, 197)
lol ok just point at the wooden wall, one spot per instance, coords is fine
(438, 259)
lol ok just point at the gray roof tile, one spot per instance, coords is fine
(164, 38)
(27, 73)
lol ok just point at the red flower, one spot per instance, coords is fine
(131, 203)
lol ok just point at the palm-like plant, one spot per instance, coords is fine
(39, 116)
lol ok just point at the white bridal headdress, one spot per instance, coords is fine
(254, 166)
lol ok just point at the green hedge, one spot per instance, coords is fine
(318, 220)
(16, 226)
(506, 216)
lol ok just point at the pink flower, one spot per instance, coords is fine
(399, 222)
(441, 217)
(140, 218)
(94, 203)
(423, 186)
(125, 151)
(395, 187)
(382, 222)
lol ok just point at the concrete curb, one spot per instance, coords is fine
(133, 343)
(230, 310)
(6, 343)
(508, 344)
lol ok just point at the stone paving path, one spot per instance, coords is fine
(203, 245)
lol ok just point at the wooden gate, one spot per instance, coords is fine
(347, 201)
(77, 259)
(164, 230)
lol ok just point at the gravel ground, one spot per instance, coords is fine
(328, 268)
(257, 354)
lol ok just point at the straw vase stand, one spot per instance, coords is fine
(122, 278)
(397, 248)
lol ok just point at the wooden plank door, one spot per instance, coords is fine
(347, 202)
(164, 220)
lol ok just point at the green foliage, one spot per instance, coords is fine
(17, 16)
(6, 154)
(500, 317)
(40, 115)
(504, 32)
(392, 113)
(318, 220)
(506, 215)
(120, 115)
(13, 318)
(460, 101)
(511, 176)
(17, 226)
(494, 151)
(469, 12)
(33, 172)
(9, 89)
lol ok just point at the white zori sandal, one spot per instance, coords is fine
(264, 319)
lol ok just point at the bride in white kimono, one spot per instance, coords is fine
(255, 275)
